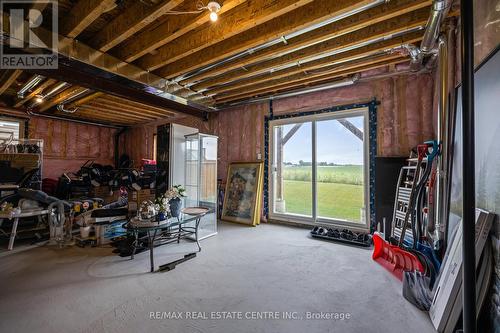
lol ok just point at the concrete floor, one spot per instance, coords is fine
(250, 271)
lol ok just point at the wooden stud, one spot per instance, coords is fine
(235, 22)
(134, 19)
(173, 27)
(387, 28)
(12, 77)
(344, 26)
(83, 13)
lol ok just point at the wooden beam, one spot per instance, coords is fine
(336, 29)
(304, 80)
(376, 32)
(83, 13)
(174, 27)
(11, 78)
(291, 133)
(313, 13)
(351, 128)
(326, 62)
(235, 22)
(78, 73)
(35, 92)
(59, 98)
(130, 22)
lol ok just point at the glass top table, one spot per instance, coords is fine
(166, 232)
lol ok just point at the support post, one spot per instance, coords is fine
(469, 191)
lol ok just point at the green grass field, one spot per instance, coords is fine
(340, 191)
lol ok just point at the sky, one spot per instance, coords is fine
(335, 144)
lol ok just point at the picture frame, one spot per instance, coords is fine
(243, 195)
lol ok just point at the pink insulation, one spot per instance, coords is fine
(405, 118)
(67, 145)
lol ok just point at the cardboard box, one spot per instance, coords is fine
(136, 198)
(100, 192)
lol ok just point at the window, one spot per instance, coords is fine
(10, 128)
(319, 168)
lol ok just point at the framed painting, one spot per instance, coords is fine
(243, 196)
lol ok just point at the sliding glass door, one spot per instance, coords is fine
(319, 168)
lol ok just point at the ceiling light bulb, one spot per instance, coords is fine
(213, 7)
(213, 16)
(39, 99)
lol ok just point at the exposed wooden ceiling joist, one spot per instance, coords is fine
(175, 26)
(83, 13)
(304, 79)
(114, 113)
(313, 13)
(375, 32)
(139, 106)
(98, 116)
(344, 26)
(326, 62)
(85, 99)
(11, 78)
(126, 109)
(130, 22)
(241, 19)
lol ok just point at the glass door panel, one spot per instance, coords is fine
(340, 169)
(293, 169)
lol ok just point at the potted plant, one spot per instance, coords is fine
(174, 196)
(162, 207)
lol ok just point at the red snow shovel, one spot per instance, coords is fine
(393, 258)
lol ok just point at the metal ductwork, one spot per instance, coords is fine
(54, 90)
(61, 108)
(30, 85)
(337, 84)
(439, 11)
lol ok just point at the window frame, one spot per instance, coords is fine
(314, 219)
(21, 122)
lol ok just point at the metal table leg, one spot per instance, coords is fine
(135, 243)
(13, 234)
(196, 233)
(151, 247)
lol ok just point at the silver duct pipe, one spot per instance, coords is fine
(60, 107)
(76, 96)
(439, 11)
(337, 84)
(29, 85)
(54, 90)
(282, 39)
